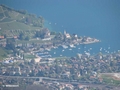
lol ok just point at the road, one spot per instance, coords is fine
(1, 76)
(8, 22)
(62, 81)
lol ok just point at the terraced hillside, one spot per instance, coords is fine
(12, 22)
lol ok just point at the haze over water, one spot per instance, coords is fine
(95, 18)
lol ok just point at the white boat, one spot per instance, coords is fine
(87, 53)
(72, 46)
(61, 55)
(48, 49)
(101, 49)
(106, 51)
(64, 46)
(90, 48)
(70, 49)
(55, 47)
(63, 50)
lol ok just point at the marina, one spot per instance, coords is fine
(68, 51)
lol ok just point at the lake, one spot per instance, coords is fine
(95, 18)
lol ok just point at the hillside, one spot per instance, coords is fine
(16, 21)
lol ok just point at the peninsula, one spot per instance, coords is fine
(24, 32)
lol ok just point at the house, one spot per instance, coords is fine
(36, 60)
(78, 74)
(1, 37)
(2, 70)
(82, 87)
(75, 35)
(65, 75)
(67, 35)
(17, 70)
(69, 86)
(61, 87)
(15, 37)
(45, 32)
(99, 57)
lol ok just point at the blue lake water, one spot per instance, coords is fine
(91, 48)
(95, 18)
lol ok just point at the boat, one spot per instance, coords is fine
(48, 49)
(90, 48)
(64, 46)
(61, 55)
(63, 50)
(72, 46)
(55, 47)
(101, 49)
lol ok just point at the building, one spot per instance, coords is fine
(1, 37)
(67, 35)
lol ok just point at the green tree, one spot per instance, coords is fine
(21, 36)
(52, 33)
(10, 44)
(27, 38)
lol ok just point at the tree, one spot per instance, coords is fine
(52, 33)
(72, 71)
(37, 34)
(57, 69)
(5, 35)
(21, 36)
(10, 44)
(28, 20)
(27, 38)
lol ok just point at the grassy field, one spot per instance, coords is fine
(1, 15)
(3, 53)
(15, 20)
(0, 9)
(110, 79)
(29, 56)
(16, 25)
(6, 20)
(61, 58)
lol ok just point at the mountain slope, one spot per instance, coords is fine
(15, 20)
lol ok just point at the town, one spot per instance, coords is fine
(60, 73)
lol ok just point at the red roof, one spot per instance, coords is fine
(1, 37)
